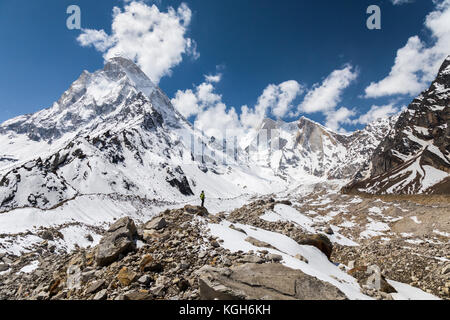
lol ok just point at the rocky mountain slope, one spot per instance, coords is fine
(415, 156)
(304, 248)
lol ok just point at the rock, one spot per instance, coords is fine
(156, 224)
(126, 277)
(252, 259)
(55, 287)
(4, 267)
(158, 290)
(89, 238)
(147, 259)
(183, 285)
(258, 243)
(215, 244)
(73, 277)
(446, 269)
(118, 241)
(237, 229)
(149, 264)
(266, 281)
(371, 278)
(321, 242)
(138, 295)
(301, 258)
(196, 210)
(274, 257)
(95, 287)
(285, 202)
(46, 235)
(101, 295)
(42, 296)
(145, 280)
(329, 231)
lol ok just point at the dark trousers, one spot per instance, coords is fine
(203, 203)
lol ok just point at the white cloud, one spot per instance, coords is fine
(215, 118)
(219, 121)
(275, 99)
(325, 97)
(186, 102)
(336, 118)
(213, 78)
(375, 113)
(155, 40)
(416, 64)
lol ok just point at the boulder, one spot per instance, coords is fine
(263, 282)
(196, 210)
(138, 295)
(119, 240)
(46, 235)
(156, 224)
(252, 259)
(367, 277)
(3, 267)
(319, 241)
(274, 257)
(95, 287)
(126, 276)
(101, 295)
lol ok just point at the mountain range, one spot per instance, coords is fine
(115, 132)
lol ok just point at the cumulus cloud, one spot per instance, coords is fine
(154, 39)
(377, 112)
(326, 96)
(416, 64)
(213, 116)
(275, 99)
(335, 118)
(186, 102)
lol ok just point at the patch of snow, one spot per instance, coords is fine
(407, 292)
(30, 268)
(319, 266)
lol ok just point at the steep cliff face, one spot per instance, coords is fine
(415, 156)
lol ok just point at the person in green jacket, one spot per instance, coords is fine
(202, 197)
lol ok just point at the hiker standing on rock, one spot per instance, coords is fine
(202, 197)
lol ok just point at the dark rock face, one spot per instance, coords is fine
(319, 241)
(421, 137)
(119, 240)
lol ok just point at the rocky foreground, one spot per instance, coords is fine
(176, 256)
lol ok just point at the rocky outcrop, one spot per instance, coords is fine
(263, 282)
(119, 240)
(196, 210)
(415, 156)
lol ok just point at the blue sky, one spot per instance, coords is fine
(271, 55)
